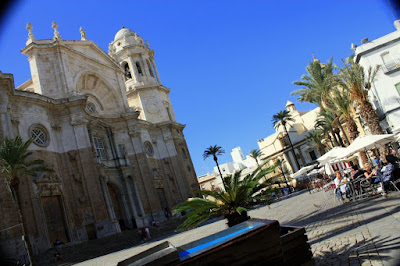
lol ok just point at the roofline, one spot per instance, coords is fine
(358, 56)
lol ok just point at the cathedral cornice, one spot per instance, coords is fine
(147, 87)
(51, 44)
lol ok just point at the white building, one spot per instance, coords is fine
(276, 146)
(214, 180)
(239, 163)
(385, 90)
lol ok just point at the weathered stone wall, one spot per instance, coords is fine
(145, 169)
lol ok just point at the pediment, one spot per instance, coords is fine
(92, 51)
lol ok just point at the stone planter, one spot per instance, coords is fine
(296, 250)
(254, 242)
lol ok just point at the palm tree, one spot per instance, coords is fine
(342, 101)
(327, 118)
(354, 78)
(240, 195)
(282, 118)
(317, 84)
(315, 137)
(214, 151)
(14, 164)
(255, 154)
(325, 131)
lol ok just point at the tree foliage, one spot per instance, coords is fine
(255, 154)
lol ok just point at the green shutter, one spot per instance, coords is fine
(398, 88)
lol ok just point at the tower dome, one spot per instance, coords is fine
(124, 33)
(124, 38)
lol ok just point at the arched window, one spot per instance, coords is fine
(155, 73)
(127, 72)
(169, 113)
(139, 69)
(150, 70)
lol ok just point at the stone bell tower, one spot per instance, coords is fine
(143, 85)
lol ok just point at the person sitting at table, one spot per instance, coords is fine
(341, 186)
(370, 174)
(356, 172)
(387, 174)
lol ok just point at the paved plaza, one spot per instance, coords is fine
(366, 232)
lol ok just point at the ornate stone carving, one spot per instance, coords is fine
(83, 34)
(31, 38)
(157, 179)
(48, 184)
(56, 33)
(87, 218)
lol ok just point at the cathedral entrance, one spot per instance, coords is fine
(55, 219)
(116, 205)
(162, 198)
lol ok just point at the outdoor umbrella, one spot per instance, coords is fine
(303, 170)
(366, 142)
(335, 152)
(316, 171)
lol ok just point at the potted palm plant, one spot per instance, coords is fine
(240, 195)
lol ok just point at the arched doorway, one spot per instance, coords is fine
(117, 204)
(55, 218)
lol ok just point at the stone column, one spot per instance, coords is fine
(156, 71)
(110, 210)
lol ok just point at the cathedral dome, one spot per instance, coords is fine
(124, 33)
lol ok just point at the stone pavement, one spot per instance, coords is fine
(366, 232)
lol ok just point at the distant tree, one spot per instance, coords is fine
(214, 151)
(14, 164)
(328, 119)
(282, 118)
(316, 137)
(240, 195)
(255, 154)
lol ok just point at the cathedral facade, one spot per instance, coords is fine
(105, 124)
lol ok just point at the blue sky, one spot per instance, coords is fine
(230, 64)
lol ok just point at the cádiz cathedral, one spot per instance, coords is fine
(105, 124)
